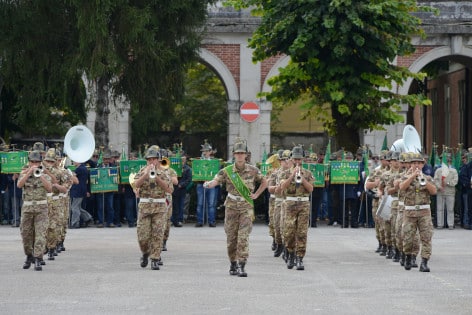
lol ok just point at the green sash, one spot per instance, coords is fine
(238, 183)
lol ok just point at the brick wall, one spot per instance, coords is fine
(229, 54)
(406, 61)
(266, 66)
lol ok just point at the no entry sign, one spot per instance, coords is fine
(249, 112)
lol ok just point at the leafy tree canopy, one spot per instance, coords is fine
(342, 58)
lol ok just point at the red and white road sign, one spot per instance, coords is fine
(249, 111)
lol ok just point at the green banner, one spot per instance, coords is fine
(13, 162)
(103, 179)
(176, 164)
(344, 172)
(128, 167)
(318, 171)
(205, 169)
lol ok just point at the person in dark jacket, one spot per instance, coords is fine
(180, 191)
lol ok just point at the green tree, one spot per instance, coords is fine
(204, 105)
(40, 91)
(342, 58)
(138, 49)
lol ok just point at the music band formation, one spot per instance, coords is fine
(400, 193)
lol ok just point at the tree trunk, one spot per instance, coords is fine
(102, 111)
(346, 137)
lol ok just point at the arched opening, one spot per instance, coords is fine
(448, 85)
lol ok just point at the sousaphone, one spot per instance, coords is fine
(79, 144)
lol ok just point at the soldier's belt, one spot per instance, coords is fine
(53, 197)
(237, 198)
(394, 198)
(401, 203)
(35, 202)
(279, 199)
(152, 200)
(297, 198)
(417, 207)
(272, 196)
(62, 195)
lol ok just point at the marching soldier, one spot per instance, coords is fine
(55, 204)
(153, 184)
(272, 184)
(297, 186)
(240, 179)
(417, 214)
(273, 160)
(34, 219)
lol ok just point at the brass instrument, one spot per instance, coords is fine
(165, 163)
(38, 171)
(298, 176)
(421, 178)
(152, 173)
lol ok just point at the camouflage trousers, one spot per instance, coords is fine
(277, 221)
(283, 211)
(297, 217)
(55, 214)
(378, 222)
(393, 221)
(65, 218)
(238, 226)
(271, 217)
(413, 221)
(152, 219)
(399, 233)
(168, 223)
(33, 227)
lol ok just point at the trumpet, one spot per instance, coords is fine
(298, 176)
(421, 179)
(38, 171)
(152, 173)
(165, 163)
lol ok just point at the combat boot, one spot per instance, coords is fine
(63, 249)
(291, 260)
(285, 254)
(29, 260)
(278, 250)
(160, 262)
(241, 272)
(383, 251)
(274, 245)
(413, 261)
(58, 248)
(300, 263)
(144, 260)
(154, 264)
(233, 268)
(389, 253)
(396, 256)
(379, 248)
(424, 265)
(51, 254)
(408, 262)
(164, 246)
(37, 264)
(402, 259)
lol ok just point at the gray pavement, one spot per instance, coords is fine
(99, 273)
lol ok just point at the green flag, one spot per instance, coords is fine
(327, 153)
(100, 158)
(365, 158)
(384, 144)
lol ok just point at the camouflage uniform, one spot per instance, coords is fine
(270, 176)
(152, 216)
(379, 227)
(297, 214)
(238, 212)
(417, 216)
(172, 173)
(66, 181)
(34, 218)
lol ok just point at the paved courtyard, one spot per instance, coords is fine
(99, 273)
